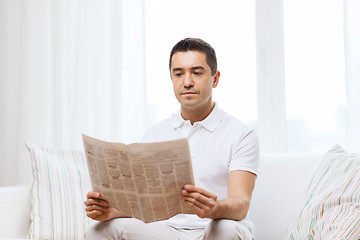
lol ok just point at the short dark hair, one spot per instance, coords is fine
(196, 44)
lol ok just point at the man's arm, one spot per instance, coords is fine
(240, 187)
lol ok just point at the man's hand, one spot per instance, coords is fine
(235, 206)
(203, 202)
(98, 209)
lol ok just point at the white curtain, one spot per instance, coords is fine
(68, 67)
(270, 76)
(352, 71)
(272, 117)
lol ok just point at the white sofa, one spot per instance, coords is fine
(282, 182)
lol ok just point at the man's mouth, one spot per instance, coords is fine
(188, 93)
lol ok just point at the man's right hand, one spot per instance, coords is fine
(98, 209)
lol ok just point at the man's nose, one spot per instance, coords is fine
(188, 81)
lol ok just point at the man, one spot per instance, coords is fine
(224, 154)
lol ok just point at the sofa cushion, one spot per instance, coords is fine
(331, 207)
(59, 189)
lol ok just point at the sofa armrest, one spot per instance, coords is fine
(15, 211)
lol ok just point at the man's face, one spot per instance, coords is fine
(192, 79)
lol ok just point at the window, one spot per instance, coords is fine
(299, 41)
(314, 74)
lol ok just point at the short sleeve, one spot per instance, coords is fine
(245, 153)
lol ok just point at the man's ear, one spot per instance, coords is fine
(216, 79)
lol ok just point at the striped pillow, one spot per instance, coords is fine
(331, 208)
(60, 185)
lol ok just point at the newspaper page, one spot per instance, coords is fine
(142, 180)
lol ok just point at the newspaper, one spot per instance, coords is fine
(142, 180)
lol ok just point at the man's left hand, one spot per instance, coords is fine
(203, 202)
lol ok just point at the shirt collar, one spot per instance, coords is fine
(210, 122)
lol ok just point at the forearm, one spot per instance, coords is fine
(232, 208)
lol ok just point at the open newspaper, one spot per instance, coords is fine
(142, 180)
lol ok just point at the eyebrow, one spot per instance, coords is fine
(193, 68)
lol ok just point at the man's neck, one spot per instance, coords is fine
(196, 114)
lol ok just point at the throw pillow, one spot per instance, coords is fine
(60, 184)
(331, 208)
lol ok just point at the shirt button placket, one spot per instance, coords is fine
(192, 142)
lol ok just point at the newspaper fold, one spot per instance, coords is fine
(142, 180)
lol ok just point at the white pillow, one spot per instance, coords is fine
(61, 182)
(331, 208)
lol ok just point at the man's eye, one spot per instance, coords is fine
(197, 73)
(178, 74)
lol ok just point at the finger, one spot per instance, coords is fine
(202, 213)
(198, 204)
(92, 201)
(96, 208)
(192, 188)
(94, 214)
(195, 196)
(199, 197)
(93, 195)
(192, 205)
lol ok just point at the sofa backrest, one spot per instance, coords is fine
(280, 187)
(15, 211)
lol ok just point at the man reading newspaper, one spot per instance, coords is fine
(224, 153)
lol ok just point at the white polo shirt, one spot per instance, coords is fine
(218, 145)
